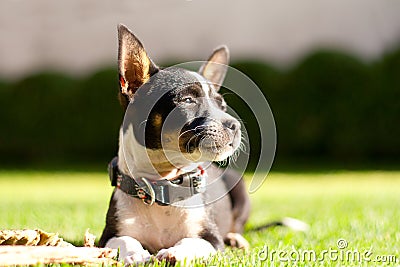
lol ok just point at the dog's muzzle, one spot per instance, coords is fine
(211, 135)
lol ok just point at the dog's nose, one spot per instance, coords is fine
(233, 125)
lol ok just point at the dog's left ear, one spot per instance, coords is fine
(135, 66)
(216, 66)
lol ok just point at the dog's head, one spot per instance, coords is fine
(175, 112)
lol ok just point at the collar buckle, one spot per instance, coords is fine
(143, 193)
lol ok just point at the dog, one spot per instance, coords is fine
(170, 200)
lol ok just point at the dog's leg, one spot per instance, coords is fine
(187, 248)
(240, 210)
(130, 250)
(236, 240)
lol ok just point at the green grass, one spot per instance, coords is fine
(362, 207)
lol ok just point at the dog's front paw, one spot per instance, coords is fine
(186, 250)
(171, 255)
(130, 250)
(134, 258)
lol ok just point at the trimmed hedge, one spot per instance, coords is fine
(53, 118)
(334, 107)
(331, 106)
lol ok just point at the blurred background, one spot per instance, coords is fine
(330, 71)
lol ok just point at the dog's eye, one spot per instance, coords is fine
(188, 100)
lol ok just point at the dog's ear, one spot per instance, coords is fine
(216, 66)
(135, 66)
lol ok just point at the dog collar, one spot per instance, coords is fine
(163, 192)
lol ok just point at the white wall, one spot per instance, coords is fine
(79, 35)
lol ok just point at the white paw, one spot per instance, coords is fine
(130, 250)
(137, 257)
(171, 255)
(186, 250)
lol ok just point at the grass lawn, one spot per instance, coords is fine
(362, 208)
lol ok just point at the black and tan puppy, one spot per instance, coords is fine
(170, 200)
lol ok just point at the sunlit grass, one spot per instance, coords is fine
(361, 207)
(67, 203)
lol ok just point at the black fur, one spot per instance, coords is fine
(212, 235)
(111, 223)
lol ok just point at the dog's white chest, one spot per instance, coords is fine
(157, 226)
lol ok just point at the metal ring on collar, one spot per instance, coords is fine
(150, 192)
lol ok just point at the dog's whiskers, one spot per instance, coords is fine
(191, 130)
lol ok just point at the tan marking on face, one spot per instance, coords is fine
(157, 120)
